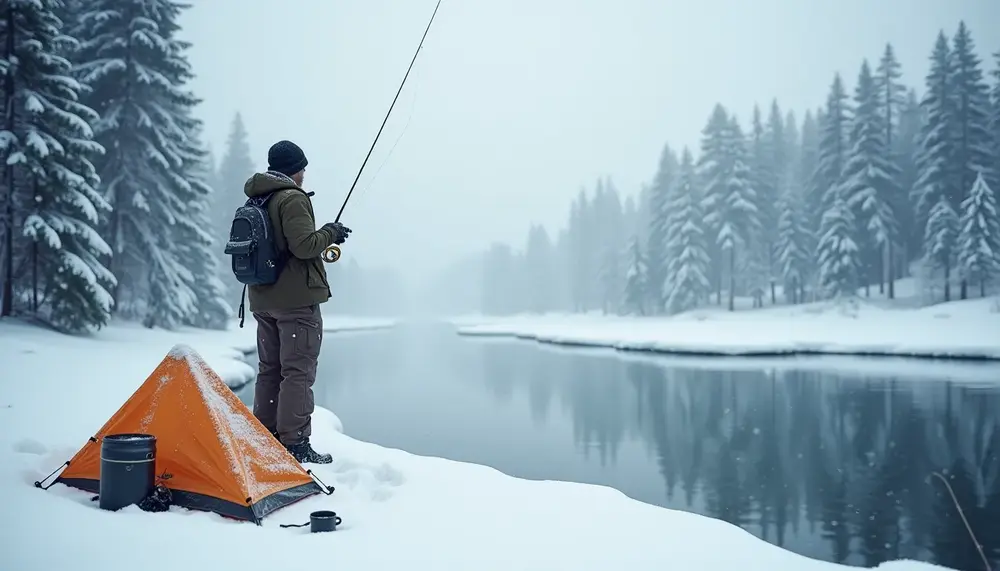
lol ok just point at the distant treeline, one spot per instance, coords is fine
(850, 198)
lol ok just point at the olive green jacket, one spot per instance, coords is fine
(303, 280)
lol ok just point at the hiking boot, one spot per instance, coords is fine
(304, 453)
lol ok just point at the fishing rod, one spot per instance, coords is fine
(332, 253)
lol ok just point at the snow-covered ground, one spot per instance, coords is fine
(23, 346)
(400, 511)
(968, 329)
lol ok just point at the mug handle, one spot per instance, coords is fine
(336, 520)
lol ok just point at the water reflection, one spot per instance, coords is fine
(833, 466)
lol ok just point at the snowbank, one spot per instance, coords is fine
(965, 329)
(400, 511)
(137, 349)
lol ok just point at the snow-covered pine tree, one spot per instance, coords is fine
(837, 252)
(793, 147)
(979, 236)
(936, 171)
(807, 167)
(730, 202)
(905, 149)
(137, 69)
(234, 170)
(613, 247)
(973, 141)
(940, 240)
(793, 251)
(196, 242)
(643, 206)
(869, 183)
(891, 92)
(50, 147)
(687, 283)
(995, 127)
(892, 99)
(581, 248)
(712, 171)
(539, 264)
(636, 294)
(766, 163)
(656, 257)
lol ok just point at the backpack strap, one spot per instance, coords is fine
(243, 308)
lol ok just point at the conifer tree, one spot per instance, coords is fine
(995, 127)
(837, 251)
(199, 244)
(906, 150)
(234, 170)
(767, 162)
(730, 200)
(48, 151)
(979, 236)
(581, 251)
(940, 240)
(656, 257)
(137, 70)
(636, 290)
(687, 283)
(973, 142)
(869, 181)
(936, 161)
(540, 277)
(793, 245)
(892, 101)
(713, 172)
(612, 270)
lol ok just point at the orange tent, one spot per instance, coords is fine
(218, 456)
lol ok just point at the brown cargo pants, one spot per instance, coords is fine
(288, 344)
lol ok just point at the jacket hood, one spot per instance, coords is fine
(262, 183)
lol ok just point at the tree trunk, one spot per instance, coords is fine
(964, 289)
(7, 304)
(732, 277)
(770, 261)
(947, 281)
(34, 276)
(34, 255)
(982, 288)
(890, 268)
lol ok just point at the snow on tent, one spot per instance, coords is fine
(217, 455)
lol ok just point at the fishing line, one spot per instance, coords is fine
(413, 104)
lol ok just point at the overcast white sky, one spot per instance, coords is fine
(513, 105)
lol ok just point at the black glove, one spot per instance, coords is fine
(338, 231)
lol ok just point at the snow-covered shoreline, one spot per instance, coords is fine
(967, 330)
(225, 351)
(396, 506)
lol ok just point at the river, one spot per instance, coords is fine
(836, 466)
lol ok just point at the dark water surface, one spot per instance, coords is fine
(833, 466)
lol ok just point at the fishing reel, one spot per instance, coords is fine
(331, 254)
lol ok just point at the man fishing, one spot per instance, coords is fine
(289, 320)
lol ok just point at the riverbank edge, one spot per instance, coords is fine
(640, 347)
(248, 351)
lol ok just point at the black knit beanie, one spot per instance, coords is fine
(286, 157)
